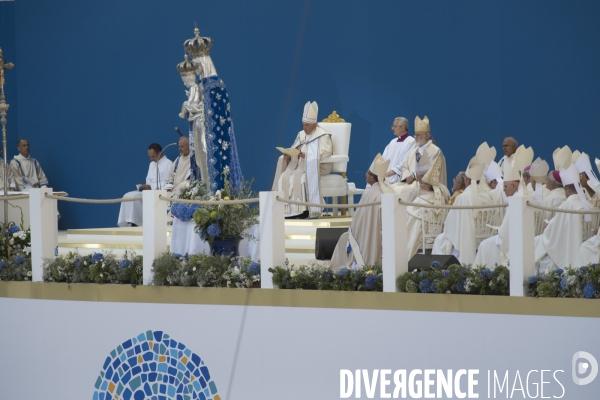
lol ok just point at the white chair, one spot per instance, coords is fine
(587, 228)
(432, 225)
(335, 184)
(485, 221)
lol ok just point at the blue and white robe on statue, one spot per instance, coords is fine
(299, 179)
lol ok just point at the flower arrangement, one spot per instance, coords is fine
(195, 190)
(97, 268)
(324, 277)
(15, 268)
(205, 271)
(456, 279)
(219, 221)
(582, 282)
(15, 241)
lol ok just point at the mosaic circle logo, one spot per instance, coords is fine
(153, 366)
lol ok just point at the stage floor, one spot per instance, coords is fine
(300, 238)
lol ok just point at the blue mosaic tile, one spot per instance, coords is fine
(152, 366)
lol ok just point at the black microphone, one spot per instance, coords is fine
(178, 131)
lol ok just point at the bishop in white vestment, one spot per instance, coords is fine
(299, 176)
(558, 246)
(27, 171)
(131, 212)
(556, 196)
(397, 150)
(459, 236)
(361, 245)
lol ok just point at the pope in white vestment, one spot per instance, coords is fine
(27, 171)
(361, 245)
(299, 176)
(459, 236)
(397, 150)
(131, 212)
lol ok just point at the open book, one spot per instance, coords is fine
(291, 151)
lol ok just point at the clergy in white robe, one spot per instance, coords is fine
(509, 146)
(424, 144)
(556, 196)
(458, 186)
(431, 192)
(361, 245)
(459, 235)
(397, 150)
(131, 212)
(589, 252)
(558, 246)
(184, 240)
(495, 249)
(27, 171)
(299, 176)
(493, 176)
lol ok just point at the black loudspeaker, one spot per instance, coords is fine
(423, 261)
(326, 240)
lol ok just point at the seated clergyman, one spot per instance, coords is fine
(298, 176)
(27, 171)
(361, 245)
(131, 213)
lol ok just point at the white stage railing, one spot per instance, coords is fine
(272, 234)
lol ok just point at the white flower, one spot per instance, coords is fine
(15, 234)
(293, 274)
(28, 273)
(85, 263)
(194, 269)
(101, 275)
(11, 241)
(22, 234)
(27, 250)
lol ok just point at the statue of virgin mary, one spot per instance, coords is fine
(212, 140)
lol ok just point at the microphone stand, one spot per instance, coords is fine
(159, 157)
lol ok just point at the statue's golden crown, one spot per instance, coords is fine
(187, 67)
(198, 46)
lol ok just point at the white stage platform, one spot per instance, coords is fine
(300, 238)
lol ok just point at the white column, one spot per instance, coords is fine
(394, 238)
(42, 213)
(154, 229)
(271, 236)
(521, 242)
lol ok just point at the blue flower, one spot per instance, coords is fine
(213, 230)
(559, 271)
(370, 281)
(343, 272)
(184, 212)
(435, 264)
(460, 286)
(96, 257)
(254, 268)
(77, 262)
(424, 285)
(422, 274)
(593, 265)
(20, 260)
(124, 263)
(485, 273)
(446, 273)
(328, 276)
(533, 279)
(433, 286)
(13, 229)
(1, 264)
(219, 217)
(582, 269)
(589, 291)
(563, 282)
(177, 255)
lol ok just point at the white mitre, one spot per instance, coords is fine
(311, 112)
(539, 170)
(379, 167)
(570, 176)
(422, 125)
(562, 158)
(493, 172)
(583, 165)
(474, 172)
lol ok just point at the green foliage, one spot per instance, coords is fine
(15, 268)
(97, 268)
(227, 220)
(204, 271)
(456, 279)
(582, 282)
(323, 277)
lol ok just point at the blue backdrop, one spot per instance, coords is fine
(97, 81)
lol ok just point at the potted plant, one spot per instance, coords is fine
(223, 225)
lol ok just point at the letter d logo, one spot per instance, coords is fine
(582, 367)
